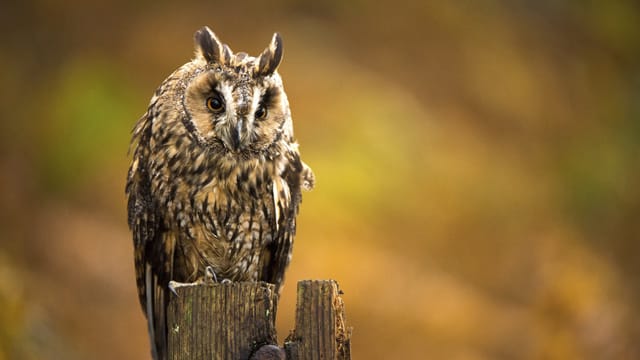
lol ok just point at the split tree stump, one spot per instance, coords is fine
(237, 321)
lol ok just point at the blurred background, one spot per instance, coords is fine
(477, 170)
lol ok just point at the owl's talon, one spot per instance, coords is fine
(226, 281)
(210, 275)
(172, 287)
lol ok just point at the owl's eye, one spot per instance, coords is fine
(215, 104)
(261, 112)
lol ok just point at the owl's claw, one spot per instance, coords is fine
(172, 287)
(210, 275)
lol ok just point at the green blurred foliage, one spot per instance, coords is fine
(477, 169)
(88, 112)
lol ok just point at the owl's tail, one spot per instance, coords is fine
(156, 305)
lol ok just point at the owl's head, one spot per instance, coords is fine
(236, 101)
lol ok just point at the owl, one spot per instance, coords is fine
(216, 177)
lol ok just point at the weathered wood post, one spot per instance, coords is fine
(207, 321)
(237, 321)
(320, 332)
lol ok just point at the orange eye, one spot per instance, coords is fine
(215, 104)
(261, 112)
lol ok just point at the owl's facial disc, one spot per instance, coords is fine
(238, 112)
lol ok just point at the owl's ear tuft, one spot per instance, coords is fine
(226, 54)
(209, 47)
(271, 57)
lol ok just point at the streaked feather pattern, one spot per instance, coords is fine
(210, 187)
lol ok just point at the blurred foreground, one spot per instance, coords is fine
(477, 170)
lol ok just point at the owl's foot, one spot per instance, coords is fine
(172, 286)
(210, 275)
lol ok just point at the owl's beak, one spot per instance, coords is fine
(236, 135)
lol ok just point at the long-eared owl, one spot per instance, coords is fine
(216, 177)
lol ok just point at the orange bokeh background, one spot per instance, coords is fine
(477, 170)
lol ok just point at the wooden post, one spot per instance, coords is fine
(221, 321)
(320, 332)
(237, 321)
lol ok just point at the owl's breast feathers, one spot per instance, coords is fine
(234, 214)
(191, 207)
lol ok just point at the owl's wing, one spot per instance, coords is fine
(145, 223)
(286, 200)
